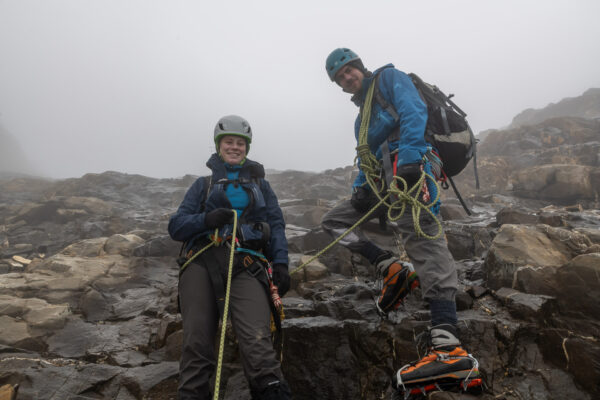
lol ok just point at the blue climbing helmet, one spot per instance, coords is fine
(338, 58)
(233, 125)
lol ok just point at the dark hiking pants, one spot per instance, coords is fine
(250, 315)
(431, 258)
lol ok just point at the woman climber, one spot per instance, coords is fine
(205, 223)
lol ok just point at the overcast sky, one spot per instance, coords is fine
(137, 86)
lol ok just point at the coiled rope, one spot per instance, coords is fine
(397, 197)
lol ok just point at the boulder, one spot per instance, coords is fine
(592, 234)
(573, 353)
(8, 392)
(519, 245)
(578, 286)
(86, 248)
(467, 241)
(559, 182)
(161, 246)
(13, 331)
(527, 306)
(516, 215)
(451, 212)
(313, 271)
(122, 244)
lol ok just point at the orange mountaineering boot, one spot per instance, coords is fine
(395, 280)
(445, 366)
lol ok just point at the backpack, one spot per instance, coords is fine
(447, 130)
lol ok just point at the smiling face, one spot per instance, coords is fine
(232, 149)
(350, 79)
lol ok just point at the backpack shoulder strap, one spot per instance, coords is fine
(383, 102)
(208, 184)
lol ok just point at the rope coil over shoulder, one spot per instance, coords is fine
(396, 199)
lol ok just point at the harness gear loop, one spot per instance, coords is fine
(192, 258)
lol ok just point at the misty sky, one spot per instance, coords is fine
(137, 85)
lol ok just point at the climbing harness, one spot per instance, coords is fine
(248, 261)
(397, 197)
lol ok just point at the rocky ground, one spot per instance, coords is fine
(88, 286)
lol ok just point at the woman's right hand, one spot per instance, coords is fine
(218, 217)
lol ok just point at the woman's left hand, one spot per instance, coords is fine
(281, 278)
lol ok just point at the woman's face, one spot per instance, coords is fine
(232, 149)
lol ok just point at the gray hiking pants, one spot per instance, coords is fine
(250, 316)
(431, 258)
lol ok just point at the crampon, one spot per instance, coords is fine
(466, 381)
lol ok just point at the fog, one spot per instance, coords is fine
(137, 86)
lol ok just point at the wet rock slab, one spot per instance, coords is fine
(94, 314)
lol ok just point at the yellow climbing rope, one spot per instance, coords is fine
(226, 309)
(202, 250)
(371, 167)
(396, 199)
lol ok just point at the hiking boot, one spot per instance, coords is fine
(395, 279)
(446, 361)
(275, 390)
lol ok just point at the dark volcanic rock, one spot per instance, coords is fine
(90, 311)
(554, 161)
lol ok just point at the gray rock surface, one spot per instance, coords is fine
(94, 314)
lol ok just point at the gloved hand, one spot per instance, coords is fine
(363, 199)
(411, 173)
(218, 217)
(281, 278)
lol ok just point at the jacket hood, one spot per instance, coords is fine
(249, 167)
(359, 98)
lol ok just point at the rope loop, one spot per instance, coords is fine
(398, 197)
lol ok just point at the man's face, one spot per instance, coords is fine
(350, 79)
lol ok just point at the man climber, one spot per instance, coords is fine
(395, 134)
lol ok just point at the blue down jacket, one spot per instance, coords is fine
(187, 224)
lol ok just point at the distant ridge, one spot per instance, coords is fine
(585, 106)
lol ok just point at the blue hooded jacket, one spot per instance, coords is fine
(187, 224)
(398, 90)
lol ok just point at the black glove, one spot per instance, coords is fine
(363, 199)
(411, 173)
(218, 217)
(281, 278)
